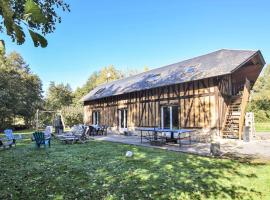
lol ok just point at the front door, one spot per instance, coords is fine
(169, 117)
(122, 118)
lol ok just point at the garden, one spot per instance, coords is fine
(100, 170)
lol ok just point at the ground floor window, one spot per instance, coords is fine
(169, 117)
(123, 116)
(96, 117)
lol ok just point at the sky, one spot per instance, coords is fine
(133, 34)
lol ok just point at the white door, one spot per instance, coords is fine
(169, 117)
(122, 118)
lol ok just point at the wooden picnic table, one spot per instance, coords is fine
(155, 131)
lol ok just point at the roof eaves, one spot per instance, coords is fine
(155, 87)
(248, 59)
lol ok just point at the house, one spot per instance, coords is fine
(209, 91)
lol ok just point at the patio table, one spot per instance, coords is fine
(178, 132)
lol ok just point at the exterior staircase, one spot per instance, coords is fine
(232, 119)
(235, 117)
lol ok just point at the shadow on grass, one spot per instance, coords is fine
(100, 170)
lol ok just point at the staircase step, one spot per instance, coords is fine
(235, 103)
(235, 108)
(231, 130)
(234, 136)
(231, 125)
(233, 116)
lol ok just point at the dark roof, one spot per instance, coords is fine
(210, 65)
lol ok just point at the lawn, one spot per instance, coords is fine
(262, 127)
(100, 170)
(27, 133)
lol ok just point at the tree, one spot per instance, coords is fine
(21, 90)
(260, 98)
(58, 96)
(106, 74)
(39, 17)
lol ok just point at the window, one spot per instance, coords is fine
(169, 117)
(152, 78)
(96, 118)
(100, 91)
(190, 69)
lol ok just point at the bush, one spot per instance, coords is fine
(261, 116)
(72, 115)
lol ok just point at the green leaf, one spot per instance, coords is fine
(7, 16)
(33, 12)
(38, 39)
(20, 36)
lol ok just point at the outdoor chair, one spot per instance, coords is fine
(11, 140)
(6, 144)
(103, 129)
(75, 136)
(75, 130)
(82, 136)
(93, 131)
(184, 137)
(40, 139)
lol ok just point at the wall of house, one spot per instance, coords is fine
(223, 95)
(201, 104)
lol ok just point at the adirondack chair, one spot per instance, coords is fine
(41, 140)
(10, 137)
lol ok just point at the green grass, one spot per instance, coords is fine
(262, 127)
(25, 133)
(100, 170)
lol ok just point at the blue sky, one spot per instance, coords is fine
(153, 33)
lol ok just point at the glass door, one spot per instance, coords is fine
(122, 118)
(96, 118)
(169, 117)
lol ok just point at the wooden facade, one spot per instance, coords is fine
(200, 103)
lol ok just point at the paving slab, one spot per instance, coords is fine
(194, 147)
(256, 148)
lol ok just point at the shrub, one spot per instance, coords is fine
(261, 116)
(72, 115)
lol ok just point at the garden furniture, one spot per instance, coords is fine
(40, 139)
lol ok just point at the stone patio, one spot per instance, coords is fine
(255, 149)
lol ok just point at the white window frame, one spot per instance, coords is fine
(162, 114)
(120, 119)
(95, 117)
